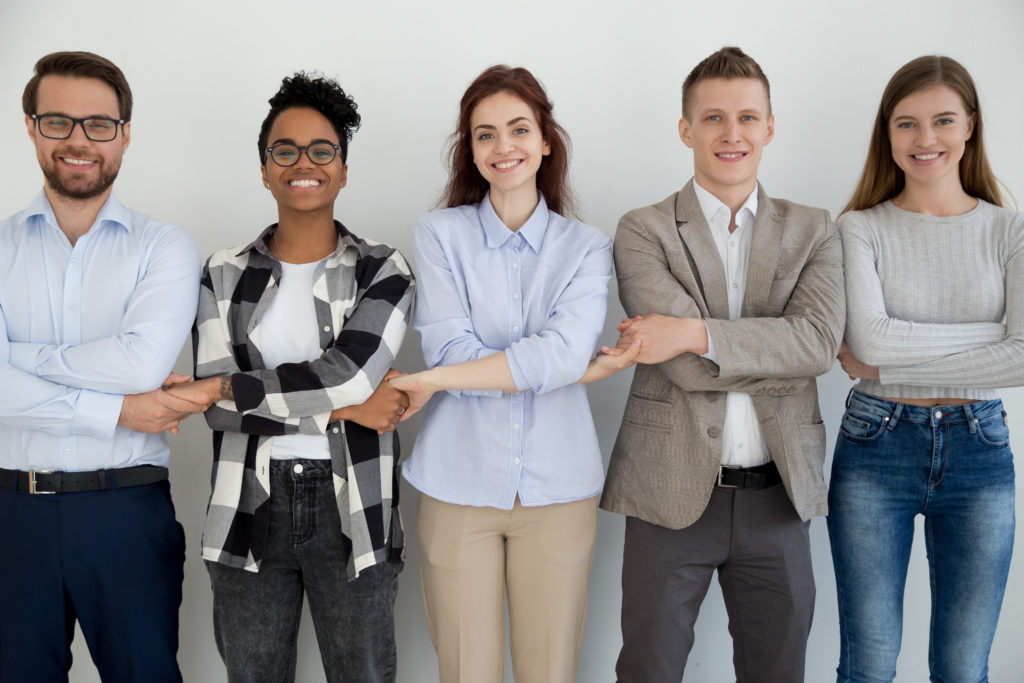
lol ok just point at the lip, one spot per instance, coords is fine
(515, 163)
(731, 157)
(935, 158)
(77, 163)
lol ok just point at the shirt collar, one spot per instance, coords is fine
(710, 205)
(497, 233)
(112, 211)
(262, 243)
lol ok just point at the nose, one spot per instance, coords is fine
(925, 135)
(78, 133)
(732, 131)
(505, 144)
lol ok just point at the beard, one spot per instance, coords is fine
(78, 188)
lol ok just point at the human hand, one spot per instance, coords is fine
(203, 391)
(158, 410)
(663, 337)
(853, 366)
(418, 388)
(612, 359)
(381, 411)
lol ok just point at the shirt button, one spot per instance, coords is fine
(67, 451)
(515, 329)
(517, 461)
(335, 430)
(742, 445)
(72, 307)
(327, 328)
(735, 285)
(515, 265)
(515, 426)
(297, 469)
(516, 297)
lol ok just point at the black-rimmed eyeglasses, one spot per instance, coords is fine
(286, 154)
(60, 127)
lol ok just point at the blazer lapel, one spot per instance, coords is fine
(696, 235)
(765, 247)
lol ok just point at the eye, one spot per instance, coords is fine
(99, 125)
(945, 122)
(485, 136)
(905, 124)
(714, 117)
(521, 131)
(285, 153)
(747, 117)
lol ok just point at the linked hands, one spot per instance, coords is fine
(386, 407)
(159, 410)
(853, 366)
(662, 337)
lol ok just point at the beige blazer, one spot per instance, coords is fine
(669, 448)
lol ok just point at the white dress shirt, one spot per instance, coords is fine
(743, 443)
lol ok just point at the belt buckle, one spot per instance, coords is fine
(32, 481)
(726, 467)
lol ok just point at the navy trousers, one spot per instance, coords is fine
(113, 560)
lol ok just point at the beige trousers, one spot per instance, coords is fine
(469, 556)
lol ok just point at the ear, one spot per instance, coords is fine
(344, 175)
(263, 174)
(685, 134)
(970, 125)
(771, 129)
(30, 124)
(126, 134)
(546, 149)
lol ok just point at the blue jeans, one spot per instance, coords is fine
(256, 615)
(953, 465)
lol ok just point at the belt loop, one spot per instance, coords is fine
(849, 395)
(113, 478)
(972, 422)
(102, 478)
(895, 417)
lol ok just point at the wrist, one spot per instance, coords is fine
(694, 335)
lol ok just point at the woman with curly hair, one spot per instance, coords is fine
(935, 324)
(512, 301)
(295, 335)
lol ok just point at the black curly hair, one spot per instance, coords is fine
(319, 93)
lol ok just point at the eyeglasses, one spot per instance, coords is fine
(320, 153)
(60, 127)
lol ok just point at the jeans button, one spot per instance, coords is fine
(297, 469)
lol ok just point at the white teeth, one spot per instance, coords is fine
(304, 183)
(730, 155)
(77, 162)
(506, 164)
(926, 157)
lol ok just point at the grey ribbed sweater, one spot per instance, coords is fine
(937, 303)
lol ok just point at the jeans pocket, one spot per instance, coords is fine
(993, 430)
(863, 426)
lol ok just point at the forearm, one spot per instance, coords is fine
(488, 373)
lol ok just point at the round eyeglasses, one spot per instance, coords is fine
(286, 154)
(60, 127)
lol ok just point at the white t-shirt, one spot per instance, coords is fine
(289, 334)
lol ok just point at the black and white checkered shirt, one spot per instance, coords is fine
(363, 294)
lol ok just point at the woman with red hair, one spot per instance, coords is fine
(511, 304)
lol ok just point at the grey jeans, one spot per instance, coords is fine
(256, 615)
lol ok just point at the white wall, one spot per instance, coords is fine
(202, 71)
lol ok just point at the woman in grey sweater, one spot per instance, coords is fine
(934, 277)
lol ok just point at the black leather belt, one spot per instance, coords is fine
(48, 481)
(760, 477)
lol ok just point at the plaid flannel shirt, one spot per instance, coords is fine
(363, 294)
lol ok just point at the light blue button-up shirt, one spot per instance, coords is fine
(539, 296)
(84, 325)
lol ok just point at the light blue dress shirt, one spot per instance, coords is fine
(539, 296)
(81, 327)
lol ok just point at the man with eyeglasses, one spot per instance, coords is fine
(95, 304)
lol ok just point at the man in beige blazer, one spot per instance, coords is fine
(738, 301)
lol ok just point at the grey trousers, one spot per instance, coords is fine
(761, 550)
(256, 615)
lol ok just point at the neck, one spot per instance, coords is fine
(75, 216)
(304, 239)
(514, 208)
(935, 200)
(733, 196)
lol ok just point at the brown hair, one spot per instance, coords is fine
(881, 178)
(728, 63)
(465, 184)
(79, 65)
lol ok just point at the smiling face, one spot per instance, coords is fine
(928, 132)
(507, 143)
(77, 167)
(304, 186)
(727, 126)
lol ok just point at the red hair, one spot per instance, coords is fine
(465, 184)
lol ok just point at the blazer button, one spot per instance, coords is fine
(714, 432)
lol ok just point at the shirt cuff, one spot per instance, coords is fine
(712, 354)
(96, 413)
(23, 356)
(518, 377)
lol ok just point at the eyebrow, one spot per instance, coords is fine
(289, 141)
(90, 116)
(510, 123)
(945, 113)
